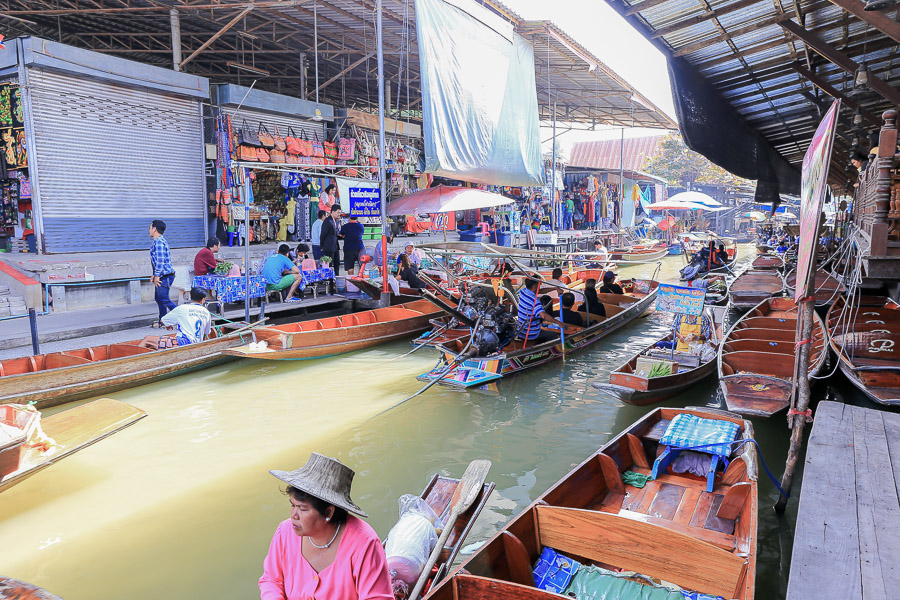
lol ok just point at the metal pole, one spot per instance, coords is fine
(245, 200)
(175, 24)
(385, 273)
(35, 343)
(621, 178)
(553, 164)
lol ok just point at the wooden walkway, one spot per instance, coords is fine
(847, 540)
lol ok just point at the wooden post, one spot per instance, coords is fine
(887, 144)
(800, 401)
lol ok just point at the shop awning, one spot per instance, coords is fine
(443, 198)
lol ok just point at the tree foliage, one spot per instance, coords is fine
(679, 165)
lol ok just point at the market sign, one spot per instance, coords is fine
(443, 221)
(359, 198)
(812, 198)
(681, 300)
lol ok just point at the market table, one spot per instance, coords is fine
(230, 289)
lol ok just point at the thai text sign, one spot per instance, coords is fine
(681, 300)
(364, 202)
(812, 197)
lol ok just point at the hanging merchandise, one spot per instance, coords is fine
(246, 136)
(293, 145)
(262, 155)
(6, 117)
(330, 150)
(248, 153)
(347, 149)
(276, 156)
(279, 142)
(318, 149)
(266, 140)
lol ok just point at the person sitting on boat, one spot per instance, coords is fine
(378, 259)
(281, 273)
(411, 255)
(609, 284)
(570, 316)
(689, 331)
(192, 322)
(601, 256)
(592, 304)
(205, 261)
(722, 254)
(531, 313)
(782, 247)
(324, 550)
(409, 273)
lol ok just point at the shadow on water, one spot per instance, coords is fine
(182, 504)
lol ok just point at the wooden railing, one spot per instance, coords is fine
(876, 207)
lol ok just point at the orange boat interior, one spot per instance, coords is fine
(596, 519)
(766, 282)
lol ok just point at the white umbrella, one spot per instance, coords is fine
(786, 215)
(696, 198)
(682, 205)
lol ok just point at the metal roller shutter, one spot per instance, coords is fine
(110, 159)
(254, 118)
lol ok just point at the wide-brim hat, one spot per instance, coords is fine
(325, 478)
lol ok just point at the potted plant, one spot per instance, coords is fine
(325, 262)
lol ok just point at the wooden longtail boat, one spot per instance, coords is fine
(671, 529)
(73, 430)
(19, 590)
(335, 335)
(756, 360)
(752, 287)
(60, 377)
(633, 386)
(438, 494)
(519, 355)
(638, 254)
(767, 261)
(827, 287)
(865, 336)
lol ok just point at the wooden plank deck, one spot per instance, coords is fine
(847, 539)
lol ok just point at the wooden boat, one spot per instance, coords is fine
(638, 254)
(756, 360)
(671, 529)
(19, 590)
(752, 287)
(519, 355)
(73, 430)
(865, 336)
(630, 382)
(438, 494)
(827, 287)
(335, 335)
(60, 377)
(767, 261)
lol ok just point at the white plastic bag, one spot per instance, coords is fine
(410, 542)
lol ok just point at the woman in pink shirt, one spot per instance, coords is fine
(322, 552)
(329, 198)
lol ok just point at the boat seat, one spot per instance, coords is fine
(56, 361)
(123, 350)
(687, 431)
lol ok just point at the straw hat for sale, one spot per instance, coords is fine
(325, 478)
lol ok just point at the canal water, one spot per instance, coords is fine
(181, 504)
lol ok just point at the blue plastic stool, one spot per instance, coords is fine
(687, 431)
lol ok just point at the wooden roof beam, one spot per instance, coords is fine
(217, 35)
(876, 19)
(840, 59)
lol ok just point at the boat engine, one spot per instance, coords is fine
(497, 329)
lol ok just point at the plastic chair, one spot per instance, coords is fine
(308, 264)
(485, 227)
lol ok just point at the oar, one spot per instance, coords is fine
(466, 492)
(425, 343)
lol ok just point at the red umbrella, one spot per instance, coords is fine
(666, 223)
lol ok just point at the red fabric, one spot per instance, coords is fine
(204, 262)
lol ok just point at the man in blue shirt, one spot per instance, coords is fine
(352, 232)
(163, 271)
(281, 273)
(530, 315)
(316, 235)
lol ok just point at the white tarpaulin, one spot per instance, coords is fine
(479, 99)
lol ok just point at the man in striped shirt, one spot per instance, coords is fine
(163, 271)
(531, 314)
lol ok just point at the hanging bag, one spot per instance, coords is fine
(262, 155)
(292, 143)
(318, 150)
(291, 158)
(247, 153)
(247, 136)
(280, 143)
(277, 156)
(347, 149)
(265, 138)
(330, 149)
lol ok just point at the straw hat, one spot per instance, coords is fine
(325, 478)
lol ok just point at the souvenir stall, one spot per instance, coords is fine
(16, 231)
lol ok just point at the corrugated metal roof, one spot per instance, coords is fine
(610, 154)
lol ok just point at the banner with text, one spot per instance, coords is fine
(812, 198)
(681, 300)
(359, 198)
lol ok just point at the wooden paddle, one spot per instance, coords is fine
(466, 492)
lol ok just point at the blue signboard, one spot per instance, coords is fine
(679, 299)
(365, 201)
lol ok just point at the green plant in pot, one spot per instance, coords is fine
(222, 268)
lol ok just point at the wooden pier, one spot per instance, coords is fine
(847, 540)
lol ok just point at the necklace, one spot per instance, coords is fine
(336, 531)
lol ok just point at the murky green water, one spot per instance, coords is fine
(181, 505)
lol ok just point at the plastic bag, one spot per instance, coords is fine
(410, 542)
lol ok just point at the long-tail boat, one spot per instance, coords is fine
(827, 287)
(756, 360)
(462, 364)
(767, 261)
(71, 430)
(635, 383)
(752, 287)
(638, 254)
(19, 590)
(626, 537)
(865, 336)
(60, 377)
(335, 335)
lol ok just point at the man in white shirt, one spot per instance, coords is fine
(192, 323)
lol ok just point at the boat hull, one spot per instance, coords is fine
(658, 388)
(52, 387)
